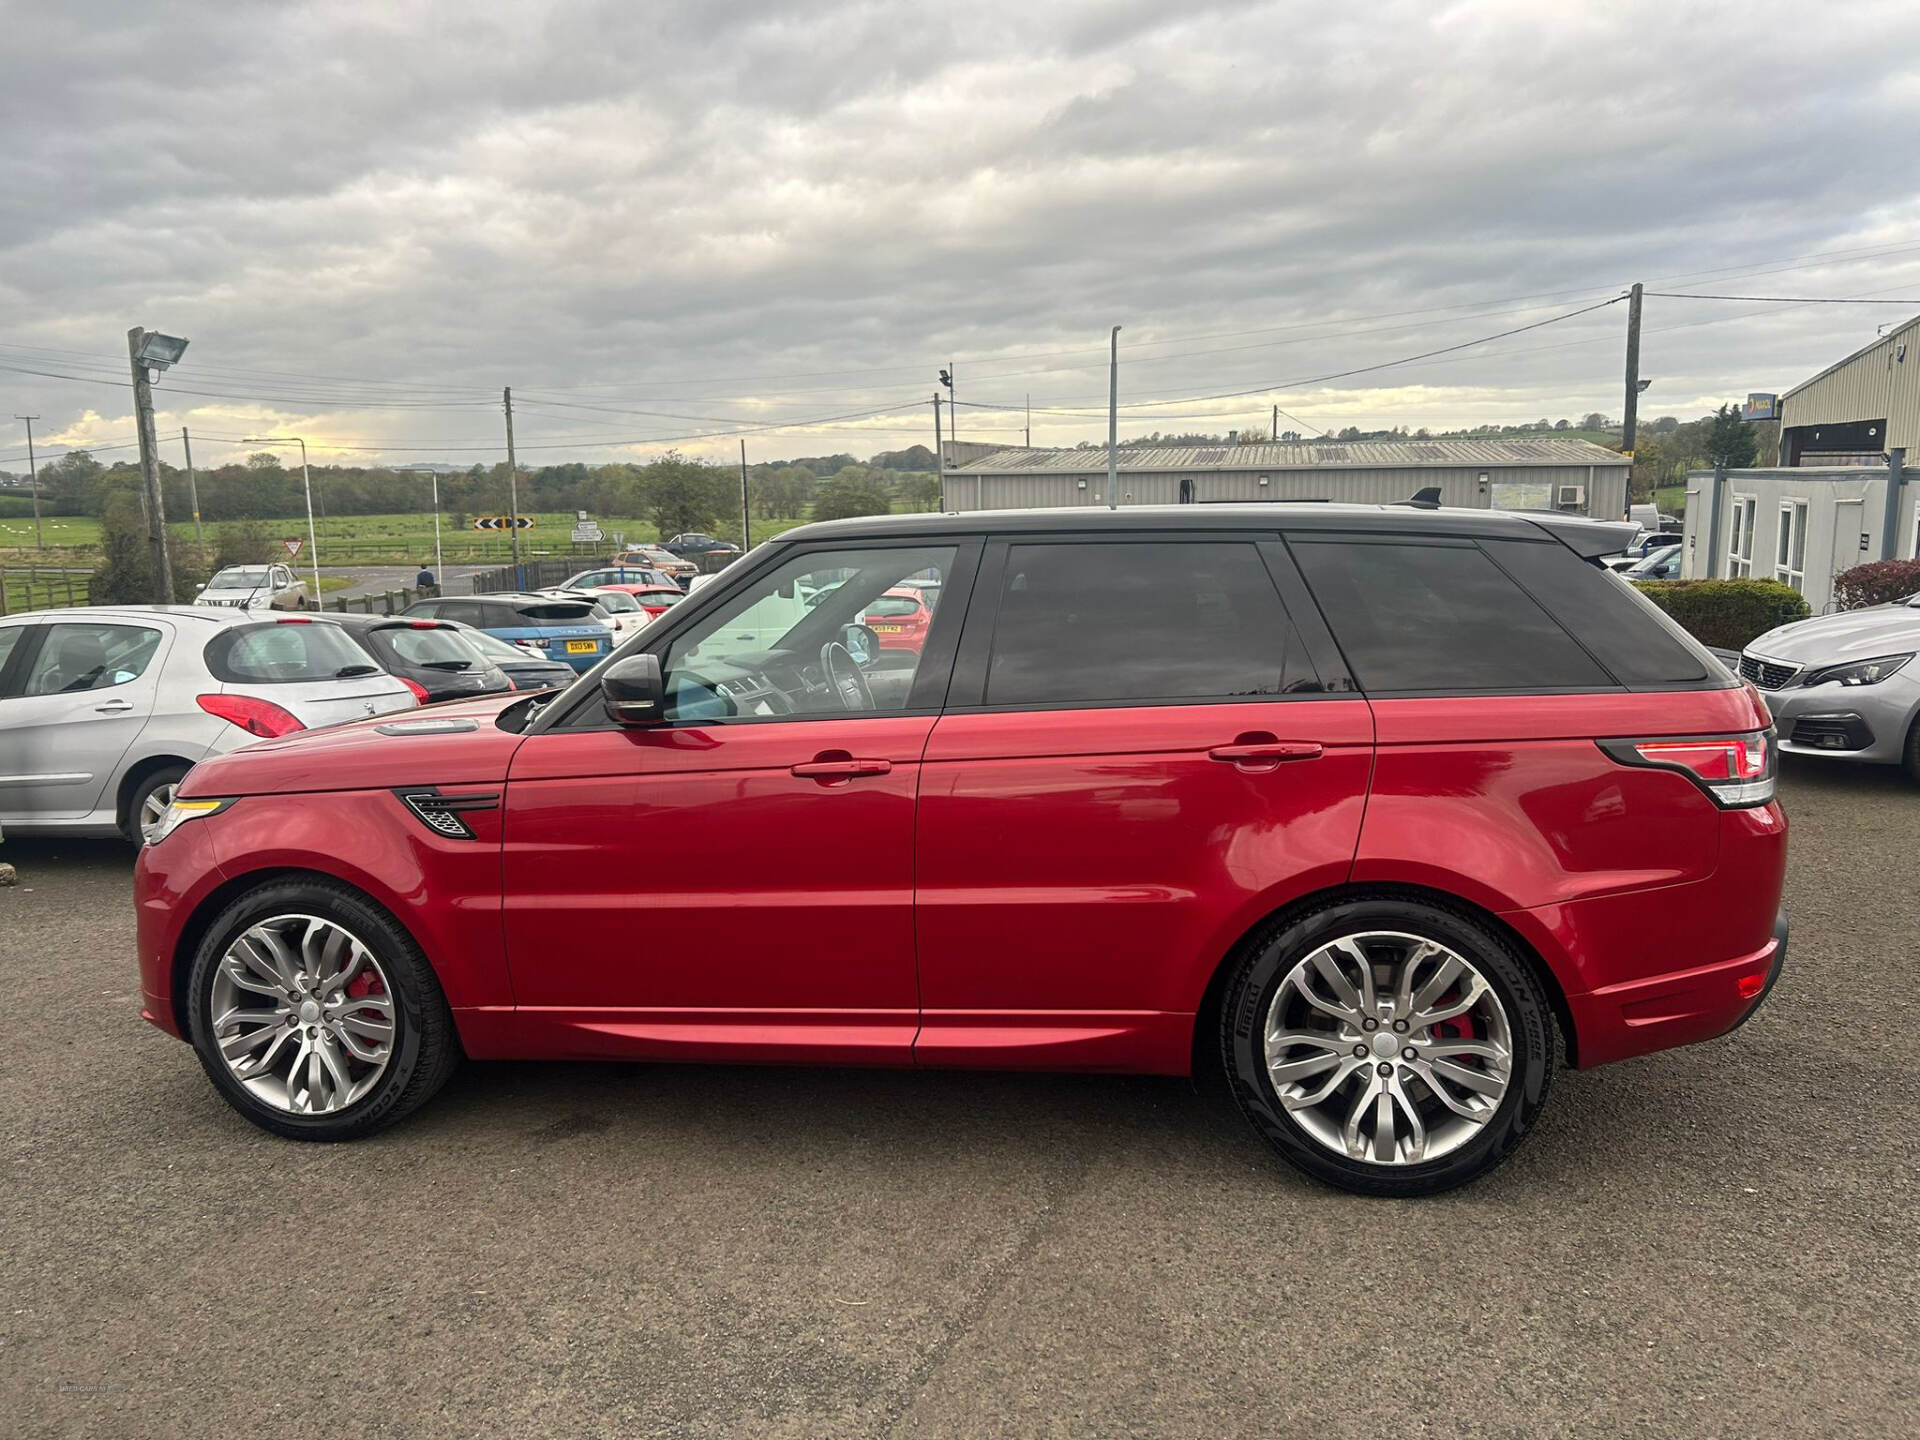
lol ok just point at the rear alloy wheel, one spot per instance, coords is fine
(149, 802)
(1389, 1047)
(316, 1015)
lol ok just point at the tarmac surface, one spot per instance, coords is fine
(1720, 1241)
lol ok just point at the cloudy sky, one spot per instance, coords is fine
(666, 221)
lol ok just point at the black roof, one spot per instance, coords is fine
(1585, 536)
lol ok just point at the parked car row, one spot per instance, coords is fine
(104, 708)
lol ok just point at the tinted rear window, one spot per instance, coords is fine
(438, 648)
(1439, 616)
(1159, 620)
(555, 612)
(283, 654)
(1624, 630)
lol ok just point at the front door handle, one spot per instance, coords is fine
(1265, 752)
(827, 768)
(114, 707)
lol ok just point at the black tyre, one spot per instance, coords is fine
(149, 801)
(1388, 1046)
(316, 1015)
(1910, 758)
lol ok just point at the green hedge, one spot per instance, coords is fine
(1727, 613)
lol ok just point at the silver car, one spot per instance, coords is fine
(104, 708)
(1846, 686)
(254, 587)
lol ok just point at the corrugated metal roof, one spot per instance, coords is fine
(1880, 342)
(1299, 455)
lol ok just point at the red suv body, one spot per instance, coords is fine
(1380, 811)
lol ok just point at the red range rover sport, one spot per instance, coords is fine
(1380, 813)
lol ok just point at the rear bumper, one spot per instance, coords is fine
(1636, 1017)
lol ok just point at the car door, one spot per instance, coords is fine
(1145, 751)
(736, 882)
(77, 694)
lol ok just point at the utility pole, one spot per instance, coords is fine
(193, 494)
(939, 452)
(1630, 415)
(1029, 420)
(33, 469)
(150, 468)
(513, 490)
(1113, 422)
(1273, 430)
(746, 522)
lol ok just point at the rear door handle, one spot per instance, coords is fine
(1265, 752)
(840, 768)
(114, 707)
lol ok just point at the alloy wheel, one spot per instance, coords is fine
(153, 807)
(1388, 1048)
(302, 1014)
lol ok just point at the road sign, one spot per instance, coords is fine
(293, 547)
(587, 533)
(501, 522)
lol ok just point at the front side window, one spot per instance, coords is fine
(1090, 623)
(791, 642)
(90, 656)
(1424, 617)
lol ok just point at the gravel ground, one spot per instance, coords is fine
(1716, 1241)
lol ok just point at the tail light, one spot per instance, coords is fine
(253, 715)
(1735, 770)
(419, 690)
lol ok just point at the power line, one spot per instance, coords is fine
(1782, 299)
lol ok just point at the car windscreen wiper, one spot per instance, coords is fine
(347, 672)
(447, 664)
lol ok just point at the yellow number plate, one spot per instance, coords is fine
(582, 647)
(886, 629)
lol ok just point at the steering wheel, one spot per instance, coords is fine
(844, 677)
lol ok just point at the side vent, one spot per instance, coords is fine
(441, 813)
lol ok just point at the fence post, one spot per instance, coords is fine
(3, 592)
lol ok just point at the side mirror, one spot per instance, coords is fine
(633, 692)
(862, 644)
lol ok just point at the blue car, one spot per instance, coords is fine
(563, 630)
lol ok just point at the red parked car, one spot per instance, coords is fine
(1384, 812)
(899, 620)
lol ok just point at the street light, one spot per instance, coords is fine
(306, 482)
(439, 569)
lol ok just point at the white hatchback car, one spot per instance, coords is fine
(103, 709)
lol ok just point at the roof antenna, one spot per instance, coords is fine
(1427, 497)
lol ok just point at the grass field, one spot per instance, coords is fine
(354, 539)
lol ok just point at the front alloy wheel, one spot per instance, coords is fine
(315, 1013)
(1388, 1046)
(303, 1014)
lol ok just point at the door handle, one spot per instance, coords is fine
(1265, 753)
(839, 767)
(114, 707)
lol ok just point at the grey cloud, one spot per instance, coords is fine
(649, 200)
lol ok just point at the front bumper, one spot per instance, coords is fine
(1867, 723)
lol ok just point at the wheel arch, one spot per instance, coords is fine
(136, 775)
(1205, 1052)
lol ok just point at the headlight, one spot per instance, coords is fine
(1859, 672)
(181, 811)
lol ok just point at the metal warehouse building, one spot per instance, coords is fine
(1839, 496)
(1543, 474)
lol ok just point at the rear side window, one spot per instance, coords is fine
(1093, 622)
(91, 656)
(1627, 632)
(284, 654)
(1437, 616)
